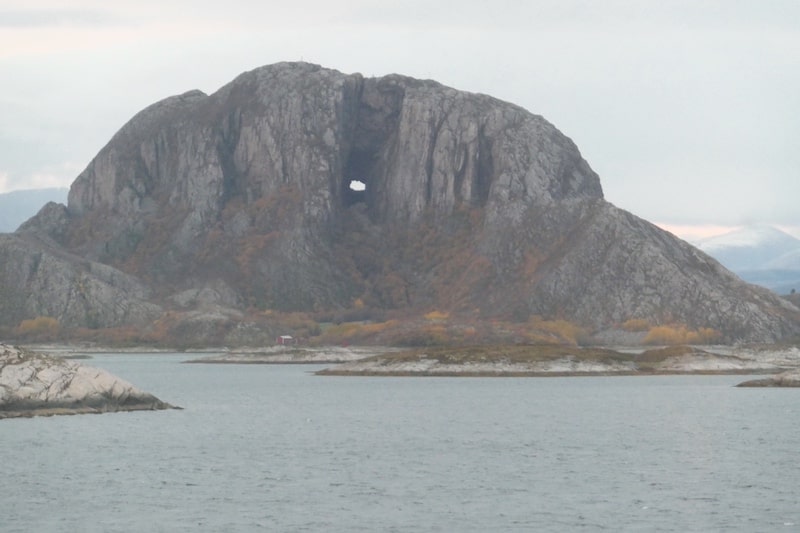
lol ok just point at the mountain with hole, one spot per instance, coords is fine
(300, 195)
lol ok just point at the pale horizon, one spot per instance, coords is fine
(695, 233)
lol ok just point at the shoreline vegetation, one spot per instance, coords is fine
(361, 326)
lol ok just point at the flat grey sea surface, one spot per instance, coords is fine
(276, 448)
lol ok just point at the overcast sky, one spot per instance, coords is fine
(688, 110)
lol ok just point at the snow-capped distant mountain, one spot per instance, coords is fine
(751, 247)
(18, 206)
(760, 254)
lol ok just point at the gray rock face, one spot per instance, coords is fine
(616, 267)
(34, 384)
(297, 134)
(38, 280)
(471, 205)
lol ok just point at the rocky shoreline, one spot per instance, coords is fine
(560, 361)
(35, 384)
(284, 355)
(781, 362)
(521, 360)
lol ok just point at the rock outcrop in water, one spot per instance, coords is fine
(471, 205)
(33, 384)
(790, 378)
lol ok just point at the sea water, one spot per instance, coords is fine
(276, 448)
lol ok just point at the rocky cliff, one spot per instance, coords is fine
(40, 279)
(470, 205)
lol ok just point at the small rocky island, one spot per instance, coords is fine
(790, 378)
(34, 384)
(782, 363)
(554, 360)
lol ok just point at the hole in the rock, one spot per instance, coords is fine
(355, 191)
(356, 181)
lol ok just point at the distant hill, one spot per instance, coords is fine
(18, 206)
(759, 254)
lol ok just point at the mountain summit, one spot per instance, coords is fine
(18, 206)
(751, 247)
(242, 199)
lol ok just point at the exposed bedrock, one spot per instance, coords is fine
(33, 384)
